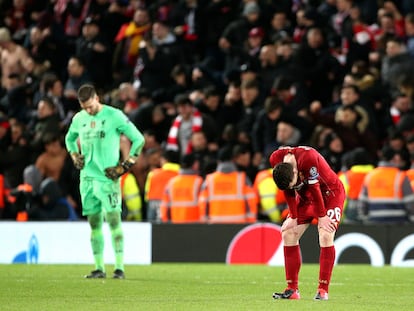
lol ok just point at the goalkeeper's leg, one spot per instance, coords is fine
(114, 221)
(97, 240)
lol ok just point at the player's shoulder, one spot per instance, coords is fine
(112, 109)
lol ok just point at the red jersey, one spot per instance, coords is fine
(318, 188)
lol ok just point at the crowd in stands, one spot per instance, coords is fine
(225, 81)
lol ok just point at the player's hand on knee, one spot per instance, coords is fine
(326, 223)
(78, 160)
(289, 223)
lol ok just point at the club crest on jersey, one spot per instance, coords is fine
(313, 172)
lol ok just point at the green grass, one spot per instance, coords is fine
(201, 287)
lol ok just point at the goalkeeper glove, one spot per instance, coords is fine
(78, 160)
(114, 172)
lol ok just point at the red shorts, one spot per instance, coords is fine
(334, 204)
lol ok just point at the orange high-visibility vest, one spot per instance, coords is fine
(180, 199)
(157, 180)
(353, 179)
(227, 198)
(382, 193)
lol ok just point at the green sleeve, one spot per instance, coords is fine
(72, 137)
(134, 135)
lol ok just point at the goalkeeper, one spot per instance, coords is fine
(93, 141)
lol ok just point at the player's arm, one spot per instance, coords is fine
(290, 196)
(71, 142)
(324, 222)
(137, 142)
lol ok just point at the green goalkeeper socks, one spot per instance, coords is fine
(118, 245)
(97, 242)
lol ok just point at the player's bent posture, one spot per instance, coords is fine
(312, 190)
(93, 140)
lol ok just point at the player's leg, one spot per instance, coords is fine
(97, 244)
(293, 261)
(91, 208)
(114, 221)
(334, 206)
(110, 195)
(326, 262)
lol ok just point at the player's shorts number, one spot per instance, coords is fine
(334, 214)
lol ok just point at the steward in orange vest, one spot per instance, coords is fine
(386, 195)
(180, 199)
(157, 180)
(227, 195)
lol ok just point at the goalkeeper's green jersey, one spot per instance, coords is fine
(99, 139)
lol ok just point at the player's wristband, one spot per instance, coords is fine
(128, 163)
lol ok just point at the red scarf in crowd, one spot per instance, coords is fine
(172, 140)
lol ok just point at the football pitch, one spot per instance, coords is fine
(201, 287)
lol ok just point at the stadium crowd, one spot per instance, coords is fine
(214, 86)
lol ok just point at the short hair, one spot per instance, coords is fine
(283, 175)
(352, 87)
(86, 92)
(272, 104)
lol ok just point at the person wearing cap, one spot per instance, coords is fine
(227, 195)
(386, 195)
(232, 40)
(255, 41)
(179, 202)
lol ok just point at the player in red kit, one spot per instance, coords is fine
(312, 190)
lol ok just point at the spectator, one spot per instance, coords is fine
(127, 43)
(252, 103)
(233, 38)
(93, 49)
(46, 121)
(242, 158)
(14, 58)
(53, 204)
(151, 66)
(77, 75)
(319, 69)
(264, 127)
(333, 151)
(15, 158)
(206, 158)
(188, 120)
(55, 163)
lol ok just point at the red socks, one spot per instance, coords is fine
(293, 262)
(326, 263)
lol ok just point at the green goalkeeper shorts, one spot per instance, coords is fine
(100, 196)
